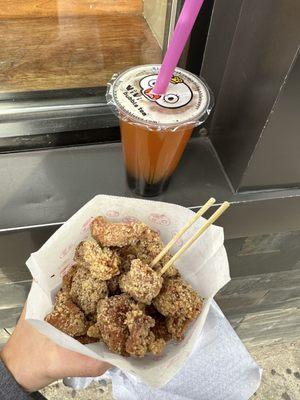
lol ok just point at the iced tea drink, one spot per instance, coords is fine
(151, 156)
(156, 128)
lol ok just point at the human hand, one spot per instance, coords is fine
(35, 361)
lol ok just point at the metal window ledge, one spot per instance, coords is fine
(47, 186)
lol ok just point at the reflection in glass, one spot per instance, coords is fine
(59, 44)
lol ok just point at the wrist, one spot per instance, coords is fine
(29, 378)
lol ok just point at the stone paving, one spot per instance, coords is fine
(281, 376)
(280, 381)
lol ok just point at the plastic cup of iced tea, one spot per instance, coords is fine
(156, 128)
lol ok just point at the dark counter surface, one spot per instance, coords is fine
(47, 186)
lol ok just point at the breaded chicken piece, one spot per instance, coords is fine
(111, 316)
(86, 290)
(148, 246)
(177, 326)
(136, 240)
(113, 285)
(94, 332)
(171, 272)
(141, 282)
(126, 254)
(68, 278)
(103, 263)
(139, 339)
(177, 298)
(116, 234)
(160, 329)
(67, 317)
(157, 346)
(86, 339)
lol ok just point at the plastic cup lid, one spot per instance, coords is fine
(187, 100)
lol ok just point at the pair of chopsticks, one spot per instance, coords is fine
(178, 235)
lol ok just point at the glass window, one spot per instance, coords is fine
(56, 56)
(62, 44)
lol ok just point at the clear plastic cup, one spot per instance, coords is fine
(155, 129)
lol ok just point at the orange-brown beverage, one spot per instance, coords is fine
(151, 156)
(156, 128)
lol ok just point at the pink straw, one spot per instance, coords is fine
(180, 36)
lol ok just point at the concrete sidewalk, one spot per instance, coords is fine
(281, 377)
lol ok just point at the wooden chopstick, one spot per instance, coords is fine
(203, 228)
(178, 235)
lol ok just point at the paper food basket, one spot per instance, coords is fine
(204, 266)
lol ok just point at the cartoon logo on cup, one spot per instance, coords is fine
(179, 94)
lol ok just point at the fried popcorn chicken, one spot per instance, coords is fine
(160, 329)
(103, 263)
(126, 254)
(117, 234)
(94, 332)
(111, 318)
(113, 285)
(146, 249)
(177, 298)
(141, 282)
(177, 326)
(171, 272)
(148, 246)
(136, 240)
(157, 346)
(68, 278)
(67, 317)
(140, 337)
(86, 290)
(86, 339)
(152, 309)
